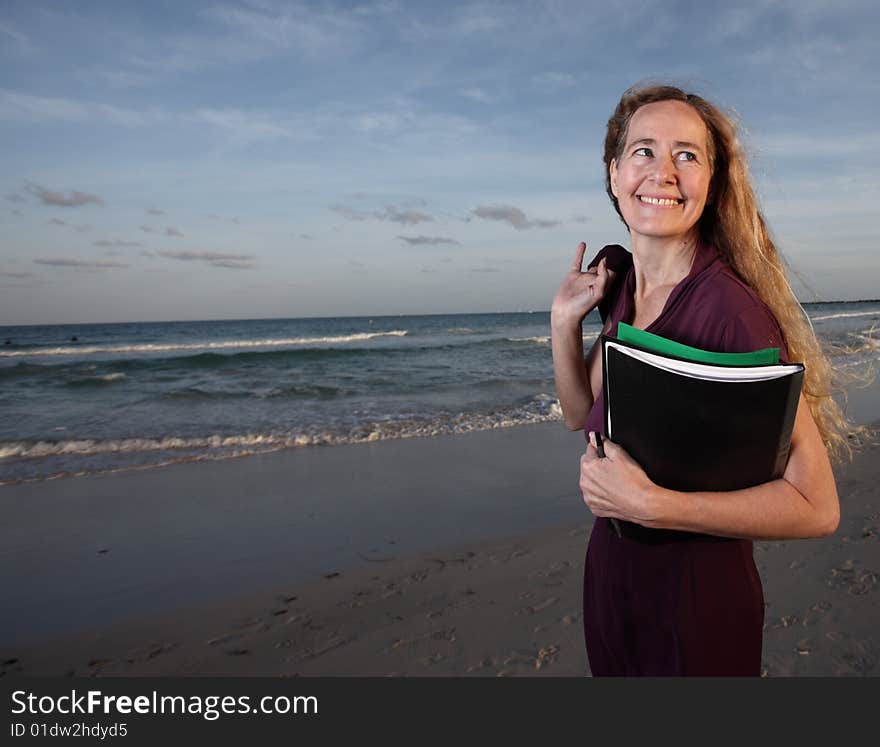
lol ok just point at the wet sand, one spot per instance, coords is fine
(453, 556)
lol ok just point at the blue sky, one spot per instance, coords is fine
(166, 160)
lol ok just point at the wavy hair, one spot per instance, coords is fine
(733, 223)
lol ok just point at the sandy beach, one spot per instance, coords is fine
(451, 556)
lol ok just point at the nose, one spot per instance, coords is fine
(664, 169)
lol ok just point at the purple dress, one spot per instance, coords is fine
(663, 603)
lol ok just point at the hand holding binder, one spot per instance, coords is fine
(601, 449)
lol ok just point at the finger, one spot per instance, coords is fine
(611, 448)
(579, 257)
(614, 451)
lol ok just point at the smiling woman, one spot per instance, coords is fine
(703, 272)
(660, 181)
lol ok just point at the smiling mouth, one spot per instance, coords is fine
(660, 201)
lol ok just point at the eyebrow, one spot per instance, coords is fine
(677, 143)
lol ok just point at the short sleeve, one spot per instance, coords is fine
(618, 260)
(754, 328)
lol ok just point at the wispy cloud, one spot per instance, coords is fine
(155, 211)
(313, 32)
(116, 243)
(232, 264)
(24, 107)
(169, 231)
(86, 264)
(802, 146)
(20, 42)
(477, 94)
(222, 219)
(350, 213)
(76, 227)
(554, 80)
(245, 127)
(75, 199)
(15, 198)
(214, 259)
(16, 275)
(392, 214)
(427, 240)
(512, 215)
(407, 217)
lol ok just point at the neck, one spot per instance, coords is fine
(661, 262)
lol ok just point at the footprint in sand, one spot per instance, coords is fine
(315, 651)
(842, 576)
(546, 655)
(816, 613)
(485, 663)
(555, 571)
(863, 663)
(534, 608)
(446, 634)
(786, 621)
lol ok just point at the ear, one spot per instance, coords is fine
(612, 173)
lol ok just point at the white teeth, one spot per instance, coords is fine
(658, 200)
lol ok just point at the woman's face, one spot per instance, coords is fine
(662, 181)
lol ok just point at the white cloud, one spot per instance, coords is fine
(247, 127)
(311, 31)
(23, 107)
(477, 94)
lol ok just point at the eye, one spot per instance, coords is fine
(686, 155)
(639, 151)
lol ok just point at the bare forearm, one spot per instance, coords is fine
(570, 372)
(773, 510)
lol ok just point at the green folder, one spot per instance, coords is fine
(657, 344)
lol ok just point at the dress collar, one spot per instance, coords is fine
(707, 260)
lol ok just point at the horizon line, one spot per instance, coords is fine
(344, 316)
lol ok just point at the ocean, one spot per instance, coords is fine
(91, 398)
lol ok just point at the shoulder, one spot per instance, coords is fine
(619, 261)
(729, 316)
(745, 321)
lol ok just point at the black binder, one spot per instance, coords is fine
(699, 426)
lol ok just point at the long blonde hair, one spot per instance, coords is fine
(733, 223)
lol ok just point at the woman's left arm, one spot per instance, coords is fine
(802, 503)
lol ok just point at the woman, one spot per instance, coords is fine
(687, 600)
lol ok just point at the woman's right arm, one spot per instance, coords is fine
(577, 380)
